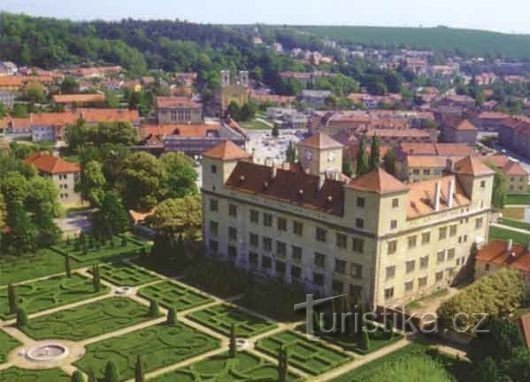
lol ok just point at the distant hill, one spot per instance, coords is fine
(464, 41)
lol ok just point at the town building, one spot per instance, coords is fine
(514, 134)
(315, 99)
(177, 110)
(7, 98)
(78, 100)
(64, 175)
(372, 236)
(234, 88)
(517, 178)
(460, 132)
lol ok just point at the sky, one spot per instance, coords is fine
(510, 16)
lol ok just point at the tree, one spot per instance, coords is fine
(181, 176)
(77, 377)
(375, 155)
(290, 154)
(275, 132)
(92, 376)
(248, 111)
(347, 166)
(22, 236)
(20, 110)
(112, 218)
(362, 159)
(178, 217)
(365, 339)
(92, 183)
(69, 85)
(22, 318)
(233, 343)
(498, 196)
(171, 316)
(139, 370)
(389, 162)
(233, 110)
(12, 299)
(111, 372)
(67, 266)
(96, 278)
(35, 92)
(154, 310)
(487, 371)
(283, 364)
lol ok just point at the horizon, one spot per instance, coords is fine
(450, 14)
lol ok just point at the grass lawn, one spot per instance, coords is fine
(111, 250)
(523, 199)
(14, 374)
(14, 269)
(255, 125)
(414, 362)
(245, 367)
(170, 294)
(221, 317)
(504, 234)
(122, 274)
(159, 346)
(87, 321)
(7, 343)
(50, 293)
(515, 223)
(514, 213)
(312, 357)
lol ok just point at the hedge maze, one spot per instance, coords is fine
(172, 295)
(122, 274)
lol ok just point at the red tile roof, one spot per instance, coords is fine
(465, 125)
(472, 166)
(495, 252)
(78, 98)
(320, 141)
(109, 115)
(378, 181)
(54, 119)
(505, 164)
(226, 150)
(50, 164)
(183, 130)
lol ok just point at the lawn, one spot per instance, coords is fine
(14, 374)
(170, 294)
(221, 317)
(90, 320)
(310, 356)
(515, 223)
(159, 346)
(122, 274)
(7, 343)
(255, 124)
(14, 269)
(521, 199)
(414, 362)
(245, 367)
(119, 247)
(50, 293)
(504, 234)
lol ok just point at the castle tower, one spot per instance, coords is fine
(225, 78)
(244, 78)
(319, 154)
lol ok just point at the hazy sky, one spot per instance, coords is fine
(505, 16)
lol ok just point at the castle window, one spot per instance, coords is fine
(478, 223)
(390, 272)
(321, 234)
(342, 240)
(213, 169)
(254, 216)
(298, 228)
(424, 262)
(267, 244)
(425, 237)
(389, 293)
(281, 249)
(267, 220)
(318, 279)
(412, 241)
(361, 202)
(358, 245)
(232, 233)
(356, 271)
(320, 260)
(214, 205)
(392, 247)
(296, 272)
(254, 239)
(340, 266)
(442, 233)
(214, 228)
(232, 210)
(359, 223)
(282, 224)
(395, 203)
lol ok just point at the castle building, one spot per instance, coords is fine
(373, 237)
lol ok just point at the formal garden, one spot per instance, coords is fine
(16, 374)
(123, 274)
(172, 295)
(7, 344)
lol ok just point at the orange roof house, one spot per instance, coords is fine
(378, 181)
(227, 150)
(52, 165)
(65, 99)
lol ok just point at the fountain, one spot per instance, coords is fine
(47, 352)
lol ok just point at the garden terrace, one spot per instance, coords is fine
(122, 274)
(14, 374)
(245, 367)
(87, 321)
(221, 317)
(312, 357)
(159, 346)
(50, 293)
(172, 295)
(7, 343)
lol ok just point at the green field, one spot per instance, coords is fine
(497, 233)
(27, 267)
(515, 223)
(50, 293)
(519, 199)
(14, 374)
(221, 317)
(312, 357)
(170, 294)
(245, 367)
(159, 346)
(414, 362)
(255, 125)
(122, 274)
(7, 343)
(87, 321)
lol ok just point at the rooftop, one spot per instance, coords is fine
(226, 150)
(320, 141)
(496, 252)
(176, 102)
(472, 166)
(378, 181)
(50, 164)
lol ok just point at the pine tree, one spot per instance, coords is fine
(154, 310)
(362, 159)
(92, 376)
(12, 298)
(365, 339)
(111, 372)
(233, 344)
(78, 376)
(290, 154)
(172, 316)
(22, 318)
(139, 370)
(389, 328)
(67, 266)
(389, 162)
(96, 280)
(282, 364)
(375, 155)
(123, 241)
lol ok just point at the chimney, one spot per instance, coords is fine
(437, 189)
(451, 193)
(321, 181)
(509, 245)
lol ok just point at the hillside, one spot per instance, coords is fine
(464, 41)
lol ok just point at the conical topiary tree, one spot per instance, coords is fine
(12, 299)
(111, 372)
(233, 343)
(365, 339)
(283, 364)
(67, 266)
(171, 316)
(92, 376)
(77, 377)
(96, 279)
(139, 370)
(22, 318)
(154, 310)
(389, 328)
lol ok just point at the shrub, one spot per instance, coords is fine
(78, 377)
(233, 344)
(139, 370)
(67, 266)
(12, 298)
(111, 372)
(22, 318)
(154, 310)
(172, 316)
